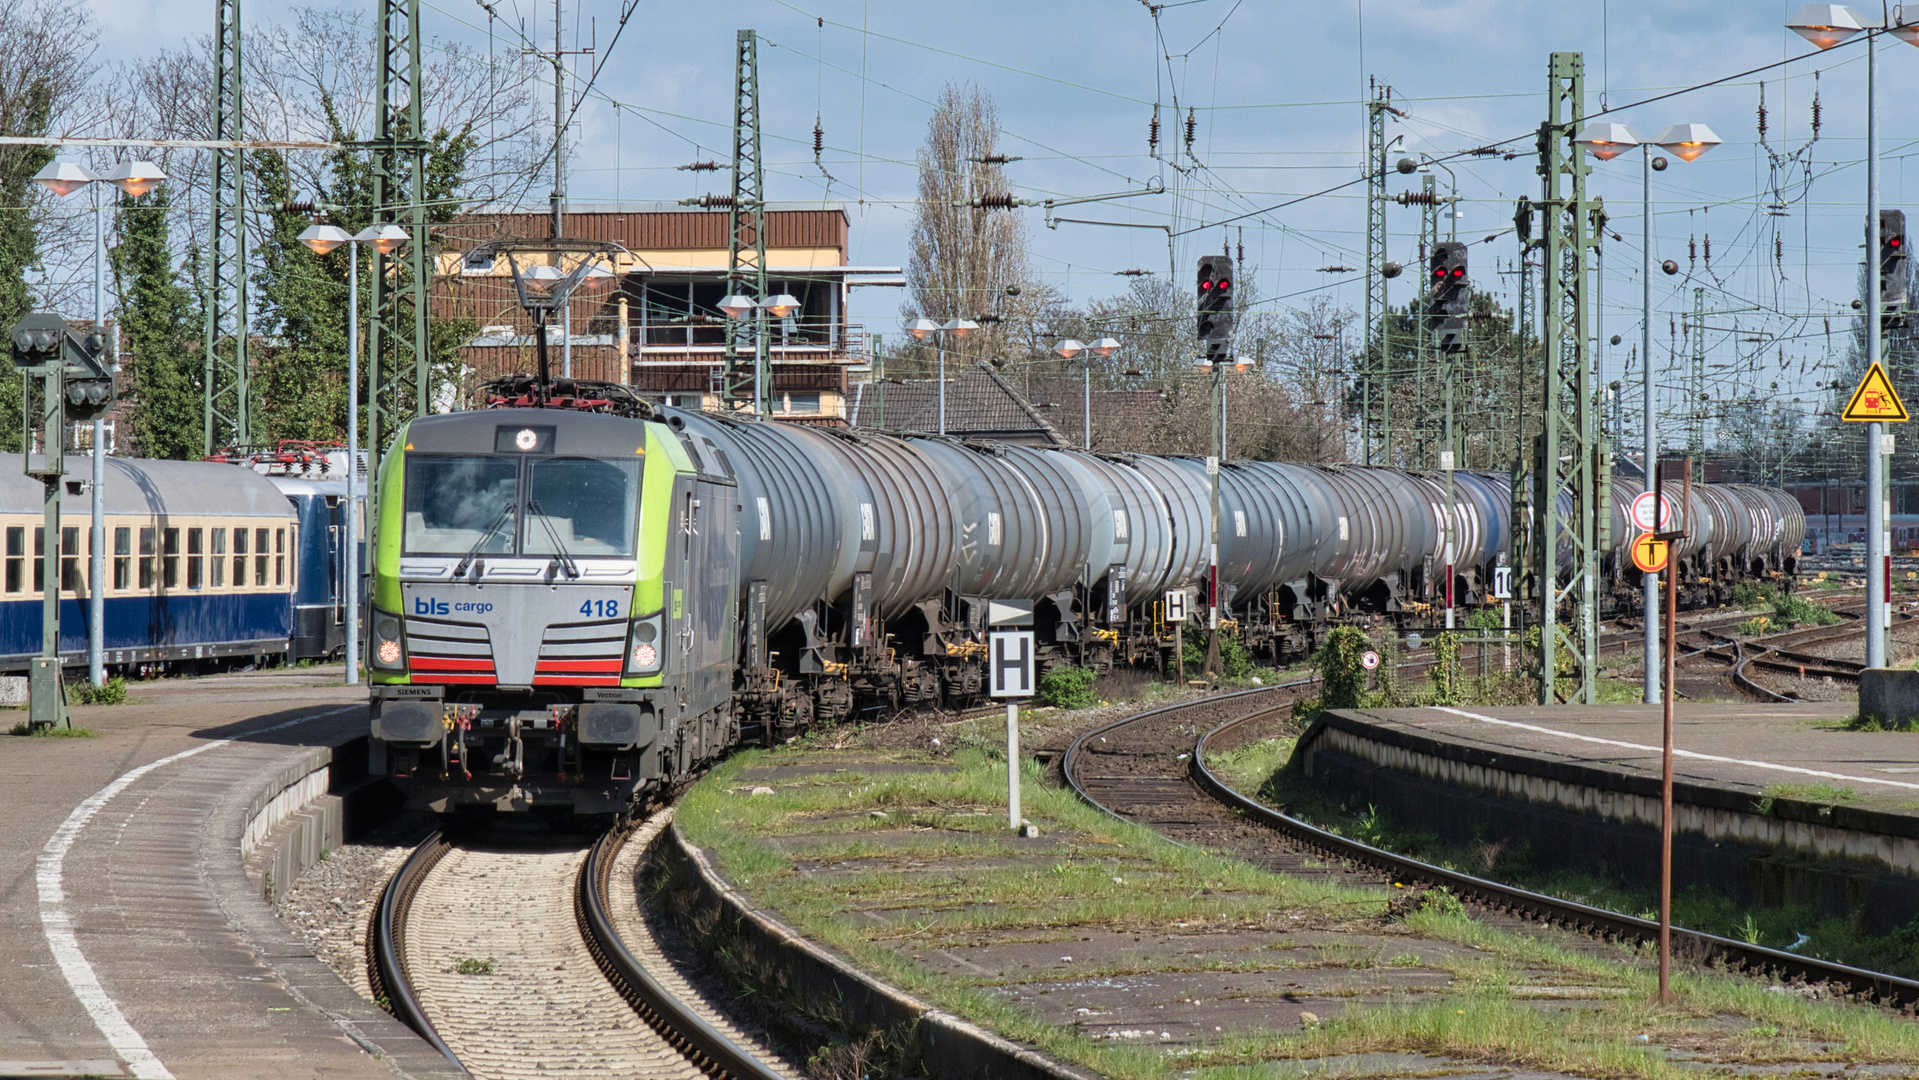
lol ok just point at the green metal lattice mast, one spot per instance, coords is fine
(1570, 447)
(398, 335)
(228, 412)
(746, 237)
(1374, 346)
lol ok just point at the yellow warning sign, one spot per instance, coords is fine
(1650, 554)
(1875, 399)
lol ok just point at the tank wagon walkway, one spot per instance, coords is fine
(1778, 804)
(130, 937)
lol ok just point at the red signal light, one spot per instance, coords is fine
(1224, 284)
(1893, 241)
(1459, 271)
(1205, 285)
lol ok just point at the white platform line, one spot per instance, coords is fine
(1794, 769)
(49, 871)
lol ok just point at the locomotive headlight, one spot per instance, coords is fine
(643, 646)
(388, 651)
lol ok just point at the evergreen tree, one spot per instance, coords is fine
(159, 333)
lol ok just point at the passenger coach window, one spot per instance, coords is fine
(40, 559)
(69, 558)
(218, 564)
(260, 556)
(170, 559)
(580, 506)
(195, 546)
(239, 558)
(146, 558)
(16, 556)
(279, 556)
(455, 505)
(122, 557)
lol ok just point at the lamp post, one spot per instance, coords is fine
(740, 306)
(1070, 348)
(63, 178)
(1826, 25)
(1605, 141)
(959, 328)
(386, 239)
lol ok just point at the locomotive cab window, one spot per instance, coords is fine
(460, 504)
(579, 506)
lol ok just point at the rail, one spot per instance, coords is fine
(1880, 986)
(386, 955)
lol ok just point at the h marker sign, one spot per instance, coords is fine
(1010, 664)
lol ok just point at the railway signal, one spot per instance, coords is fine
(1451, 294)
(1216, 307)
(1892, 267)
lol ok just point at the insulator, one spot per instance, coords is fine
(1708, 250)
(1418, 198)
(1815, 114)
(994, 202)
(700, 166)
(819, 137)
(1192, 127)
(1692, 251)
(299, 206)
(1778, 248)
(709, 202)
(1762, 112)
(1152, 133)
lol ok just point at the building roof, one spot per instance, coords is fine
(979, 404)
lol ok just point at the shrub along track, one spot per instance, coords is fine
(515, 954)
(1150, 768)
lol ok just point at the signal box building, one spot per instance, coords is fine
(656, 325)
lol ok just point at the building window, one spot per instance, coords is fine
(260, 556)
(69, 559)
(195, 549)
(218, 564)
(16, 557)
(170, 559)
(147, 544)
(803, 404)
(239, 558)
(122, 557)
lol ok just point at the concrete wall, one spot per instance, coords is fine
(1843, 861)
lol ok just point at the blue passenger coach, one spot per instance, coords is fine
(201, 563)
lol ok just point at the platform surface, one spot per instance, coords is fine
(129, 941)
(1798, 749)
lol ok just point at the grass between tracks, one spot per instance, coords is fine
(804, 849)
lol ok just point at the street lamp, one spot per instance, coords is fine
(739, 306)
(1069, 348)
(63, 178)
(921, 329)
(1605, 141)
(385, 239)
(1827, 25)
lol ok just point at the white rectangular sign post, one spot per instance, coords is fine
(1010, 675)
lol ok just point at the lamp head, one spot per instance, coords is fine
(781, 306)
(541, 278)
(386, 239)
(1687, 141)
(737, 305)
(1825, 25)
(1606, 140)
(136, 178)
(63, 178)
(921, 329)
(1105, 346)
(1068, 348)
(321, 239)
(959, 328)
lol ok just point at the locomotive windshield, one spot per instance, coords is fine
(507, 505)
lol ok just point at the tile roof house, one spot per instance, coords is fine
(980, 404)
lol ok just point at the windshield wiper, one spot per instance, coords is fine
(506, 512)
(561, 557)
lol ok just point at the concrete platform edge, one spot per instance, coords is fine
(950, 1048)
(276, 855)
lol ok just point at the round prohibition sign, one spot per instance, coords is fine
(1642, 511)
(1369, 660)
(1650, 554)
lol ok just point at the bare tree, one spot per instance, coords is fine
(964, 258)
(45, 52)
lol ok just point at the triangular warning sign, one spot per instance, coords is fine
(1875, 399)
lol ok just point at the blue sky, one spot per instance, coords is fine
(1277, 89)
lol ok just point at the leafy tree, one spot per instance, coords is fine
(159, 332)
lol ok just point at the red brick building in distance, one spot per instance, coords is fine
(656, 325)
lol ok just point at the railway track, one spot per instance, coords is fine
(516, 955)
(1150, 768)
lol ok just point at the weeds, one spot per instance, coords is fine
(1068, 687)
(24, 728)
(471, 965)
(112, 692)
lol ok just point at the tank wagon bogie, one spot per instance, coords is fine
(572, 609)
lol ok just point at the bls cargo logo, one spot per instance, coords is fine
(427, 605)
